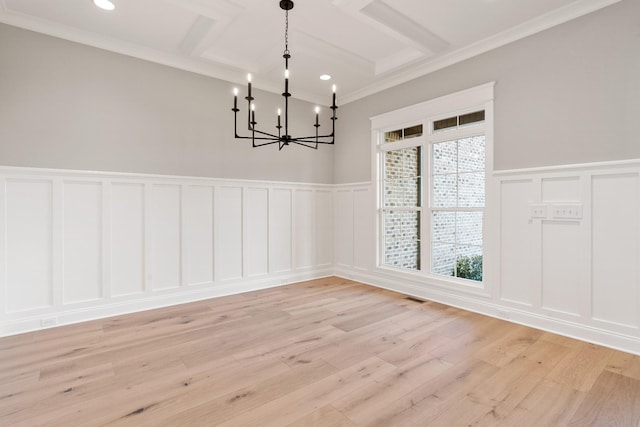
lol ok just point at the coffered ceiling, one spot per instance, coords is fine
(365, 45)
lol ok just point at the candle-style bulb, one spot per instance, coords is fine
(235, 91)
(317, 110)
(279, 111)
(333, 100)
(249, 77)
(253, 107)
(286, 73)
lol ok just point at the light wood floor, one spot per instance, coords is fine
(328, 352)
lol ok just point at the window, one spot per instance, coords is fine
(432, 187)
(402, 189)
(457, 205)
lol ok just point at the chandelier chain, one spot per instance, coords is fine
(286, 33)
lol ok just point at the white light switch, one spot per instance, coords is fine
(569, 211)
(538, 211)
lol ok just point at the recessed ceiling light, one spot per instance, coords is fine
(325, 77)
(104, 4)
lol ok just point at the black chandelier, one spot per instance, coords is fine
(260, 138)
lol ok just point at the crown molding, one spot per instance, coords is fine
(233, 75)
(536, 25)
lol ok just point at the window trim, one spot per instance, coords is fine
(459, 103)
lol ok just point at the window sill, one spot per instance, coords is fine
(421, 278)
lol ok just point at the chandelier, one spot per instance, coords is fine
(261, 138)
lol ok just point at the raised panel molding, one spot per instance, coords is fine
(127, 239)
(198, 234)
(575, 276)
(228, 233)
(76, 245)
(166, 236)
(29, 244)
(516, 242)
(615, 270)
(363, 237)
(83, 235)
(324, 228)
(561, 267)
(257, 231)
(345, 225)
(304, 250)
(280, 229)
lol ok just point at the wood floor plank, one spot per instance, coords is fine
(503, 350)
(325, 416)
(423, 404)
(581, 368)
(625, 364)
(306, 400)
(549, 404)
(197, 405)
(614, 400)
(366, 406)
(327, 352)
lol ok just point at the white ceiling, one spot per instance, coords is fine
(366, 45)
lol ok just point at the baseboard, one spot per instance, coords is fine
(588, 333)
(150, 302)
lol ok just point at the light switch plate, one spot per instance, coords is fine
(567, 211)
(538, 211)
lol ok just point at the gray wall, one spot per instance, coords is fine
(66, 105)
(570, 94)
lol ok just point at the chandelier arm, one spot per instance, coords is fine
(267, 134)
(258, 138)
(265, 143)
(314, 137)
(307, 144)
(271, 136)
(312, 141)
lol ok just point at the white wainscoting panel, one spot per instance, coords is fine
(344, 223)
(615, 270)
(127, 239)
(280, 230)
(303, 229)
(516, 242)
(82, 231)
(561, 276)
(257, 231)
(198, 234)
(29, 245)
(79, 245)
(166, 236)
(363, 237)
(576, 274)
(324, 228)
(228, 232)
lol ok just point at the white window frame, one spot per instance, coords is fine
(425, 113)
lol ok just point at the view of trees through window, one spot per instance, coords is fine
(457, 207)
